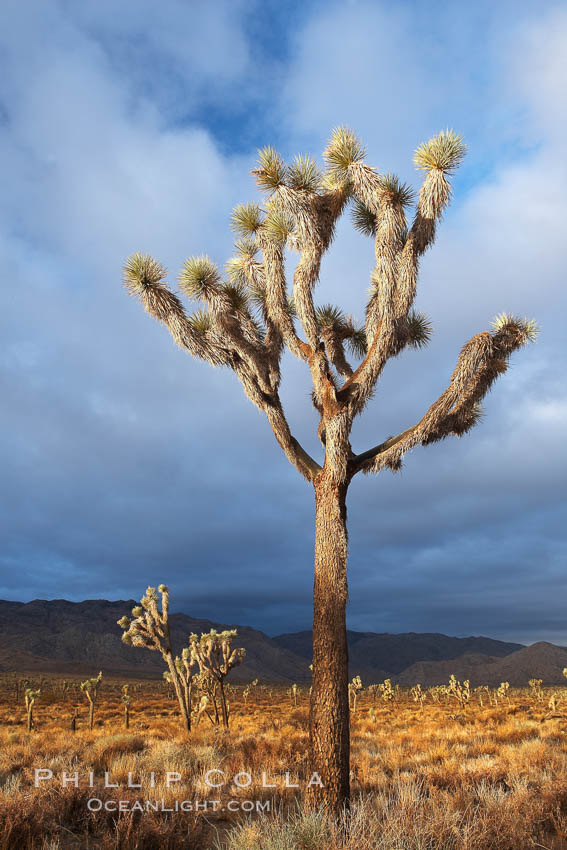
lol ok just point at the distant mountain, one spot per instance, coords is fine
(77, 638)
(395, 653)
(539, 661)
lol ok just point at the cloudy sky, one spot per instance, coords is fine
(133, 126)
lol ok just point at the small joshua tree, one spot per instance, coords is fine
(249, 320)
(167, 684)
(502, 691)
(30, 697)
(354, 689)
(480, 691)
(386, 691)
(214, 654)
(247, 690)
(126, 703)
(535, 686)
(436, 692)
(150, 629)
(373, 691)
(201, 709)
(460, 690)
(417, 694)
(90, 690)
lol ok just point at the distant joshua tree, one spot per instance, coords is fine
(90, 690)
(126, 703)
(150, 629)
(247, 321)
(215, 656)
(30, 697)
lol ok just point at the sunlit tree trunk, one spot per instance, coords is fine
(329, 709)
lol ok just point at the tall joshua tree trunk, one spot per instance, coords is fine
(248, 320)
(329, 710)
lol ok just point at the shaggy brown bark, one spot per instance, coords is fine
(329, 710)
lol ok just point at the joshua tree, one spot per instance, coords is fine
(535, 685)
(126, 701)
(353, 690)
(30, 698)
(417, 695)
(460, 690)
(150, 629)
(90, 690)
(214, 654)
(249, 319)
(247, 690)
(387, 692)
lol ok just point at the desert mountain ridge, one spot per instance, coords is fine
(77, 638)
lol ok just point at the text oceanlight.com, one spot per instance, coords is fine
(95, 804)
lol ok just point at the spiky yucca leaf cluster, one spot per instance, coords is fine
(246, 219)
(363, 219)
(420, 329)
(304, 174)
(445, 152)
(342, 151)
(238, 296)
(247, 247)
(141, 272)
(246, 250)
(271, 172)
(525, 329)
(199, 278)
(279, 225)
(236, 271)
(357, 343)
(329, 316)
(200, 321)
(398, 193)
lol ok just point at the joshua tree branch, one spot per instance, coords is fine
(276, 296)
(292, 449)
(480, 362)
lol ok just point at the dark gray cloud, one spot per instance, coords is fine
(125, 463)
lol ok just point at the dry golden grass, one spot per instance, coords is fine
(437, 778)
